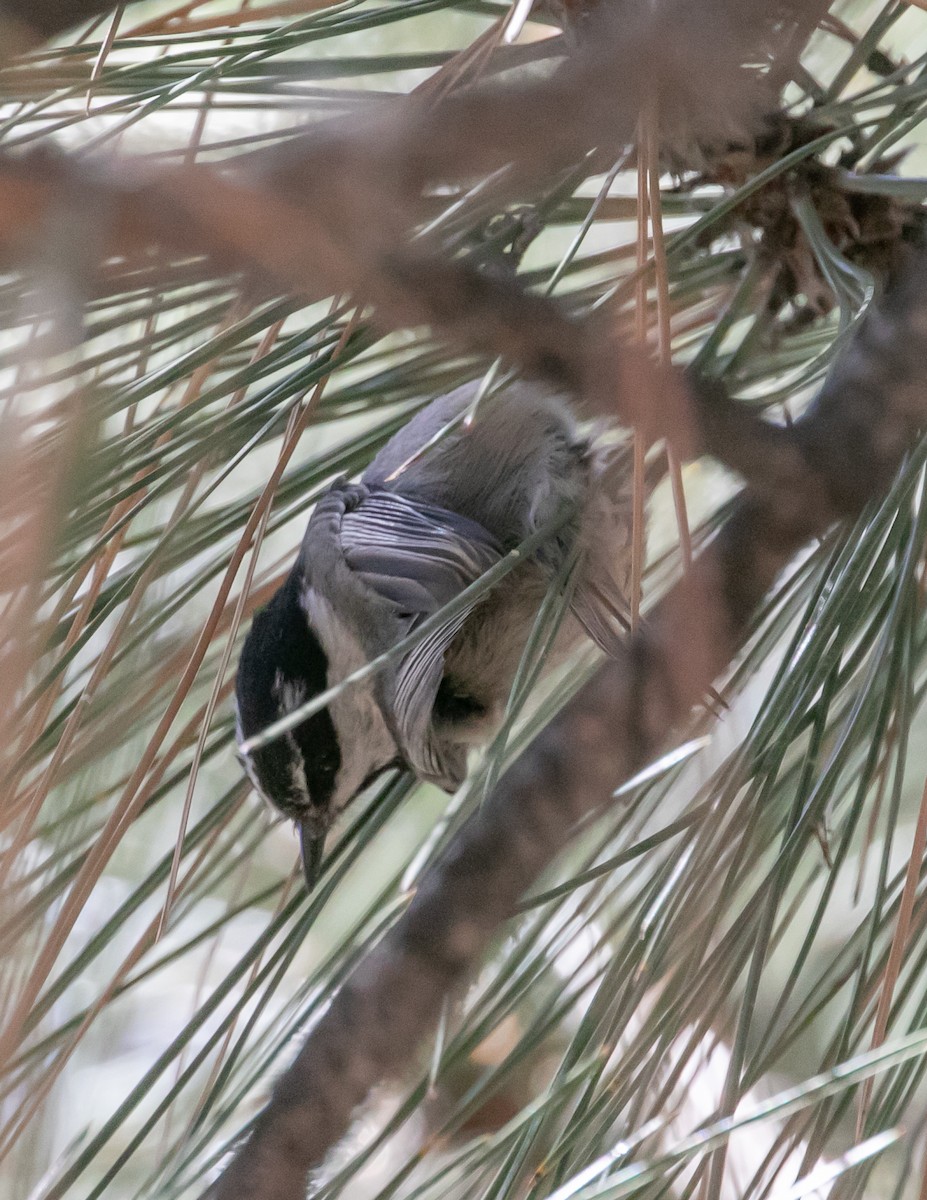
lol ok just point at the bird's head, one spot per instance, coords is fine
(310, 772)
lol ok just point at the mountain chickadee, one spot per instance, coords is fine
(382, 555)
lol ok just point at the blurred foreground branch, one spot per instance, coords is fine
(27, 22)
(340, 209)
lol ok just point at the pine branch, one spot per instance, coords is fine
(333, 212)
(851, 443)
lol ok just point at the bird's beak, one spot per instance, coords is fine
(311, 846)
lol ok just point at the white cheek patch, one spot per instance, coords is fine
(298, 782)
(365, 740)
(291, 693)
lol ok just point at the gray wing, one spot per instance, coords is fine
(418, 557)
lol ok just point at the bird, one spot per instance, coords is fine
(454, 491)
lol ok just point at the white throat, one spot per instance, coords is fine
(366, 742)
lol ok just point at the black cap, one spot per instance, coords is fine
(282, 653)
